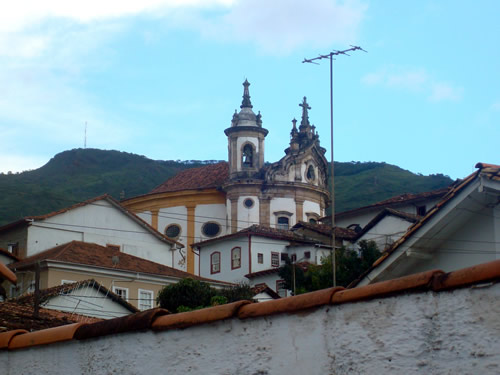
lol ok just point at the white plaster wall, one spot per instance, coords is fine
(471, 244)
(266, 246)
(226, 273)
(239, 142)
(87, 301)
(248, 216)
(146, 216)
(386, 231)
(209, 212)
(282, 204)
(175, 215)
(310, 207)
(361, 219)
(99, 223)
(419, 333)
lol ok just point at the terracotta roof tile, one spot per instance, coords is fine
(289, 304)
(325, 229)
(208, 176)
(99, 256)
(264, 288)
(263, 231)
(203, 316)
(6, 274)
(14, 315)
(423, 282)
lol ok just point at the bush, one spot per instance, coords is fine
(188, 293)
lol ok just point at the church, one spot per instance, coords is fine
(203, 203)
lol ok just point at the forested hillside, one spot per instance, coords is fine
(79, 174)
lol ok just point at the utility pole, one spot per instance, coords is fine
(332, 177)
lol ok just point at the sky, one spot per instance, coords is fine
(162, 78)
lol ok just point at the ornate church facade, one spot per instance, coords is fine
(219, 199)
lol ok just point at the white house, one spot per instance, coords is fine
(101, 220)
(462, 230)
(85, 298)
(255, 254)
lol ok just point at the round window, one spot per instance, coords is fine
(248, 203)
(310, 173)
(173, 231)
(211, 229)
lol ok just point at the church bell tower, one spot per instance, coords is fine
(245, 140)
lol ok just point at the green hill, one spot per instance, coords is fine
(79, 174)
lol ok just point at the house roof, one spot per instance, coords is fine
(8, 254)
(7, 274)
(28, 219)
(57, 290)
(208, 176)
(94, 255)
(406, 198)
(261, 231)
(435, 281)
(264, 288)
(387, 212)
(15, 315)
(488, 171)
(325, 229)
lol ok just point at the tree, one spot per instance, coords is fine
(350, 264)
(189, 294)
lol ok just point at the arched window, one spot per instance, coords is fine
(283, 222)
(247, 156)
(215, 262)
(236, 258)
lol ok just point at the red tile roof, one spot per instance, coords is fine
(489, 171)
(91, 254)
(159, 319)
(14, 315)
(209, 176)
(262, 231)
(325, 229)
(403, 198)
(264, 288)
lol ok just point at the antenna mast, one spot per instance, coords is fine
(332, 183)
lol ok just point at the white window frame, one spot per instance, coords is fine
(115, 288)
(150, 301)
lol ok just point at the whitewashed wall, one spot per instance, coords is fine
(420, 333)
(248, 216)
(175, 215)
(209, 212)
(310, 207)
(283, 204)
(386, 231)
(99, 223)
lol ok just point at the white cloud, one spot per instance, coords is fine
(413, 80)
(281, 26)
(19, 163)
(443, 91)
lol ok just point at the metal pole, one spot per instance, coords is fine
(332, 188)
(313, 61)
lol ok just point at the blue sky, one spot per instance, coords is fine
(162, 78)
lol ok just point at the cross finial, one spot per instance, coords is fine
(246, 103)
(305, 116)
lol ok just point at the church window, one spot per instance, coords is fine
(215, 262)
(236, 258)
(211, 229)
(247, 156)
(173, 231)
(310, 174)
(248, 203)
(283, 222)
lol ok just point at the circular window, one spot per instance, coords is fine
(210, 229)
(248, 203)
(310, 173)
(173, 231)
